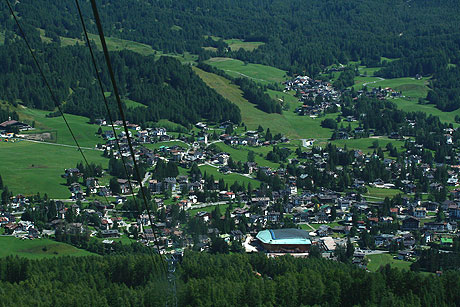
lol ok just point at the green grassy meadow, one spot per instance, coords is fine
(228, 178)
(257, 72)
(37, 248)
(381, 193)
(84, 132)
(240, 153)
(236, 44)
(28, 167)
(288, 123)
(376, 261)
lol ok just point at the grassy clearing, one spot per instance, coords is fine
(411, 105)
(381, 193)
(237, 44)
(259, 73)
(376, 261)
(38, 248)
(29, 168)
(241, 154)
(365, 144)
(131, 104)
(118, 44)
(84, 132)
(288, 123)
(229, 178)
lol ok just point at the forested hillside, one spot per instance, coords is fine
(217, 280)
(299, 35)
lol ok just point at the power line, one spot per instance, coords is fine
(105, 99)
(123, 118)
(55, 100)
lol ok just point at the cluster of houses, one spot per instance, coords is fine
(309, 92)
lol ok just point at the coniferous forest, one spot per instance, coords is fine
(217, 280)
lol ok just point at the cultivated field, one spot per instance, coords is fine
(29, 167)
(236, 44)
(257, 72)
(288, 123)
(37, 248)
(376, 261)
(229, 178)
(84, 132)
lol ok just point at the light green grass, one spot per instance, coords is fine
(34, 249)
(229, 178)
(84, 132)
(131, 104)
(236, 44)
(29, 168)
(412, 105)
(288, 123)
(118, 44)
(376, 261)
(381, 193)
(240, 153)
(410, 87)
(257, 72)
(365, 144)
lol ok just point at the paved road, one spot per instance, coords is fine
(380, 79)
(62, 145)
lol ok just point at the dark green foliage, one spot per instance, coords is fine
(256, 95)
(445, 93)
(163, 170)
(329, 123)
(169, 89)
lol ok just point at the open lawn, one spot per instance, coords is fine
(37, 248)
(411, 105)
(84, 132)
(236, 44)
(380, 193)
(118, 44)
(29, 168)
(365, 144)
(240, 153)
(288, 123)
(376, 261)
(260, 73)
(131, 104)
(229, 178)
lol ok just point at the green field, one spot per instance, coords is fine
(288, 123)
(229, 178)
(365, 144)
(240, 153)
(37, 248)
(84, 132)
(411, 105)
(376, 261)
(381, 193)
(257, 72)
(29, 168)
(131, 104)
(236, 44)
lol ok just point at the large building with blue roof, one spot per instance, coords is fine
(289, 240)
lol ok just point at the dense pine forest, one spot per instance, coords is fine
(298, 36)
(217, 280)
